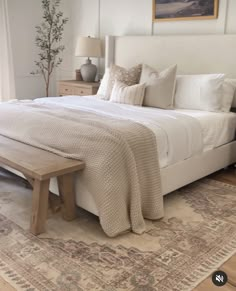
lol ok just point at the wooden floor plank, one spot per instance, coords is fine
(230, 269)
(4, 286)
(207, 285)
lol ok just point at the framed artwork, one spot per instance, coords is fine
(168, 10)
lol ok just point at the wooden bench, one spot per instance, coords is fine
(39, 166)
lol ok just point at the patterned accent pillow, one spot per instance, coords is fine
(133, 95)
(129, 77)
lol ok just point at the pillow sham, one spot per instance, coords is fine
(127, 76)
(229, 95)
(133, 95)
(103, 86)
(199, 92)
(159, 87)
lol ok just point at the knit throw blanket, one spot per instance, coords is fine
(122, 169)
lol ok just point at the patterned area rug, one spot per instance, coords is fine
(197, 235)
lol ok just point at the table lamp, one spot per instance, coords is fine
(91, 48)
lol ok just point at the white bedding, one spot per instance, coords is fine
(179, 136)
(180, 133)
(217, 128)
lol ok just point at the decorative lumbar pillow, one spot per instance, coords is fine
(229, 99)
(199, 92)
(133, 95)
(129, 77)
(160, 87)
(103, 86)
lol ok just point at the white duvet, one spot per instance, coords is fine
(217, 128)
(179, 136)
(180, 133)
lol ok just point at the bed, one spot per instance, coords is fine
(191, 144)
(209, 135)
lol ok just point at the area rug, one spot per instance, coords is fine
(196, 236)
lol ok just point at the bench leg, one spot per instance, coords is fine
(67, 194)
(39, 206)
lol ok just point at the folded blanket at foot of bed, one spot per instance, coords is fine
(122, 168)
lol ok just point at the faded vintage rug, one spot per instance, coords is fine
(197, 235)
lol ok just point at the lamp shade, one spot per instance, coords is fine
(88, 47)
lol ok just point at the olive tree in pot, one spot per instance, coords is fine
(48, 40)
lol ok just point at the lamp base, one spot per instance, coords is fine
(88, 71)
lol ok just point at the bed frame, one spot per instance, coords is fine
(194, 55)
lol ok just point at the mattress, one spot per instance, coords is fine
(217, 128)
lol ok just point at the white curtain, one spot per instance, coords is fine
(7, 83)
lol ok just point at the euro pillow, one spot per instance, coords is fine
(160, 87)
(199, 92)
(103, 86)
(229, 99)
(133, 95)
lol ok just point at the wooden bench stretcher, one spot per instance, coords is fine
(39, 166)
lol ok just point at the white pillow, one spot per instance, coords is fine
(104, 83)
(199, 92)
(133, 95)
(159, 87)
(229, 99)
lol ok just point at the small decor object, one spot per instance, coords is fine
(88, 47)
(49, 36)
(78, 76)
(164, 10)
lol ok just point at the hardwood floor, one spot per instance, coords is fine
(4, 286)
(226, 176)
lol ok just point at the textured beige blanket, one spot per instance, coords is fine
(122, 170)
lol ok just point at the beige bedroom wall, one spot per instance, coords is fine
(126, 17)
(231, 17)
(95, 18)
(134, 17)
(24, 15)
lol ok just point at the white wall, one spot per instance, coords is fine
(134, 17)
(95, 18)
(24, 15)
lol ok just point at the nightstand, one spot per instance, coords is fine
(72, 87)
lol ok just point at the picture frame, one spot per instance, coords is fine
(169, 10)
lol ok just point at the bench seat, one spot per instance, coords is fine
(39, 166)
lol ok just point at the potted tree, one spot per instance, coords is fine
(48, 40)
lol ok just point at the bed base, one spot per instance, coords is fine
(173, 177)
(197, 167)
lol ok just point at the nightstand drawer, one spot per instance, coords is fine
(65, 90)
(78, 88)
(82, 91)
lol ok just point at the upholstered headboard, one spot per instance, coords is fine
(198, 54)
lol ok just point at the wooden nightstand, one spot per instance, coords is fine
(71, 87)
